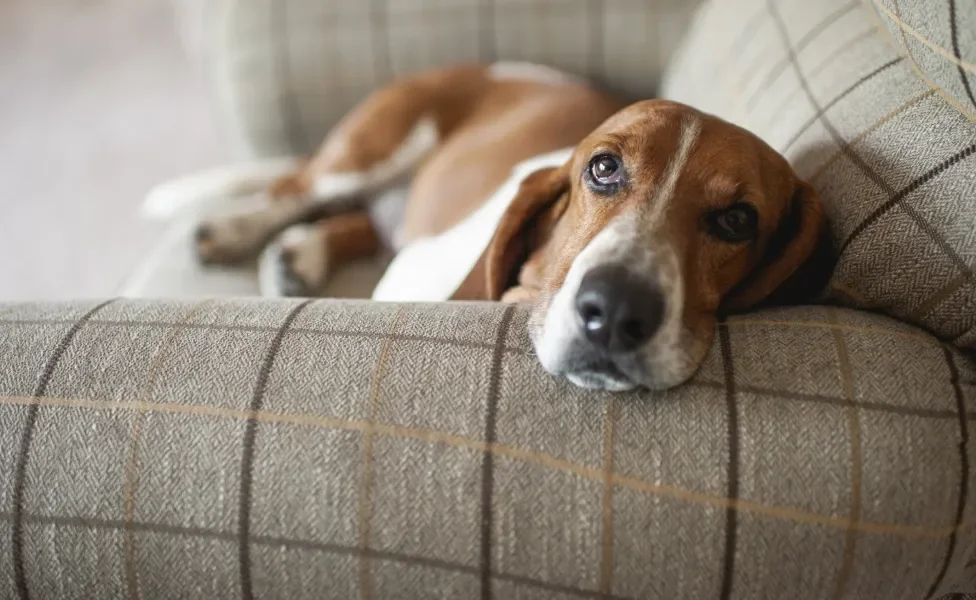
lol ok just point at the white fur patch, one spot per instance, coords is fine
(419, 143)
(526, 71)
(433, 268)
(168, 199)
(690, 128)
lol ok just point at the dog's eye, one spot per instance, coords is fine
(605, 170)
(737, 223)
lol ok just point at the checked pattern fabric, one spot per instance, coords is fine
(874, 110)
(287, 70)
(330, 449)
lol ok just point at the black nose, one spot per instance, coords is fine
(619, 311)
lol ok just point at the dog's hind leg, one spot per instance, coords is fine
(378, 145)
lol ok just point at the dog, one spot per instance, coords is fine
(627, 229)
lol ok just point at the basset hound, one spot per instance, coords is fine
(627, 229)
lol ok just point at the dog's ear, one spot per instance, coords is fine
(800, 236)
(541, 200)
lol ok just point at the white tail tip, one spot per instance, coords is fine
(168, 199)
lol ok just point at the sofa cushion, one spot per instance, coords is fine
(939, 39)
(220, 449)
(892, 157)
(287, 70)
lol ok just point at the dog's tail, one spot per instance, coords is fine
(167, 199)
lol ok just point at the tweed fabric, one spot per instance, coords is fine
(939, 39)
(895, 162)
(287, 70)
(330, 449)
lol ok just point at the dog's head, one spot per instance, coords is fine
(663, 218)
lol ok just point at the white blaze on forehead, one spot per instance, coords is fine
(664, 193)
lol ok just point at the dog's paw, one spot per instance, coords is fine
(296, 263)
(230, 239)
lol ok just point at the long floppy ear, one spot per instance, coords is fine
(801, 234)
(528, 219)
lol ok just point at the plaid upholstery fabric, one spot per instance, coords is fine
(287, 70)
(894, 161)
(938, 38)
(260, 449)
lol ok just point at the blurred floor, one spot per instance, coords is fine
(98, 102)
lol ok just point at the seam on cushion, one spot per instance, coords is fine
(954, 34)
(247, 453)
(488, 457)
(731, 513)
(963, 471)
(894, 45)
(856, 460)
(785, 513)
(906, 28)
(19, 479)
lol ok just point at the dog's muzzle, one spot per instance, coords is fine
(615, 323)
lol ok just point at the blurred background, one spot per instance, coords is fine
(99, 100)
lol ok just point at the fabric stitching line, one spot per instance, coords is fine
(510, 452)
(248, 448)
(19, 479)
(364, 515)
(856, 460)
(307, 545)
(731, 514)
(131, 572)
(488, 457)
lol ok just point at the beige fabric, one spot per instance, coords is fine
(287, 70)
(891, 157)
(938, 38)
(229, 449)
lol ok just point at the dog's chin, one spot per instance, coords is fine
(597, 380)
(600, 375)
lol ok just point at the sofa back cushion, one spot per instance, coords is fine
(891, 152)
(287, 70)
(938, 38)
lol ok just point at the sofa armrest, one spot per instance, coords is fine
(299, 448)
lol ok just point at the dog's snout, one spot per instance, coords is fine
(619, 311)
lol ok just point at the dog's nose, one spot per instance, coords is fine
(619, 311)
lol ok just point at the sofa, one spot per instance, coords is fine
(184, 441)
